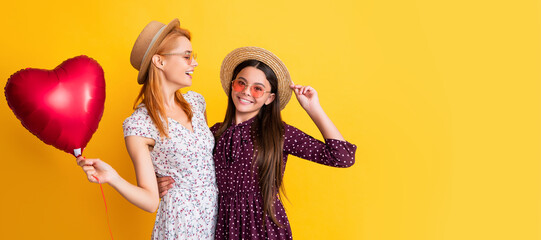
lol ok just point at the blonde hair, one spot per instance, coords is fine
(150, 94)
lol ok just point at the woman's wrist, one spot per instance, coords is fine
(115, 179)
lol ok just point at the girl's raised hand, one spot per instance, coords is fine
(94, 167)
(306, 95)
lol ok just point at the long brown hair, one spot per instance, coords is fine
(268, 140)
(151, 95)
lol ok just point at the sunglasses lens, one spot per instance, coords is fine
(257, 91)
(238, 86)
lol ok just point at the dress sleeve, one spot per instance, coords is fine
(202, 102)
(197, 101)
(335, 153)
(140, 124)
(215, 128)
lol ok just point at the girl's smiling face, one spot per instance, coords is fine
(247, 105)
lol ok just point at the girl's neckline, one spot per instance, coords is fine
(234, 123)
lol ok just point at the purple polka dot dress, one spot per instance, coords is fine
(240, 211)
(189, 209)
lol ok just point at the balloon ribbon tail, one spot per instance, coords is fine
(106, 213)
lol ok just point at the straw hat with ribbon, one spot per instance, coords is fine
(239, 55)
(147, 44)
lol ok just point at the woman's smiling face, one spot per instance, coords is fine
(178, 68)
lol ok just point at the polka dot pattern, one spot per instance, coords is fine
(189, 209)
(240, 211)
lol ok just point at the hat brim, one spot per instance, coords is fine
(239, 55)
(145, 63)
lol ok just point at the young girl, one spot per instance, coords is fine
(252, 145)
(167, 134)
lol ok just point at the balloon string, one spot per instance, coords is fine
(106, 213)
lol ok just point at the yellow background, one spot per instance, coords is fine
(442, 99)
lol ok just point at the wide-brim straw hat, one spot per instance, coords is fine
(239, 55)
(147, 44)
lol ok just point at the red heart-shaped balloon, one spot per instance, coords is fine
(63, 106)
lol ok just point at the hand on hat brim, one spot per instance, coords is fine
(307, 96)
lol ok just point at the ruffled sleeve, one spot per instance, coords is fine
(332, 152)
(202, 102)
(196, 100)
(140, 124)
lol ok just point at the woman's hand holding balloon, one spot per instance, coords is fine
(97, 171)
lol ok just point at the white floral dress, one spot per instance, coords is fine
(189, 209)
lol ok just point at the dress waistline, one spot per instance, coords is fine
(237, 193)
(177, 186)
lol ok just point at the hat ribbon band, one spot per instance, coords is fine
(152, 43)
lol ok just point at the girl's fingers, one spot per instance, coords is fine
(163, 189)
(161, 180)
(165, 179)
(296, 90)
(302, 90)
(165, 182)
(163, 193)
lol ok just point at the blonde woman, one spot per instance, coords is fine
(167, 134)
